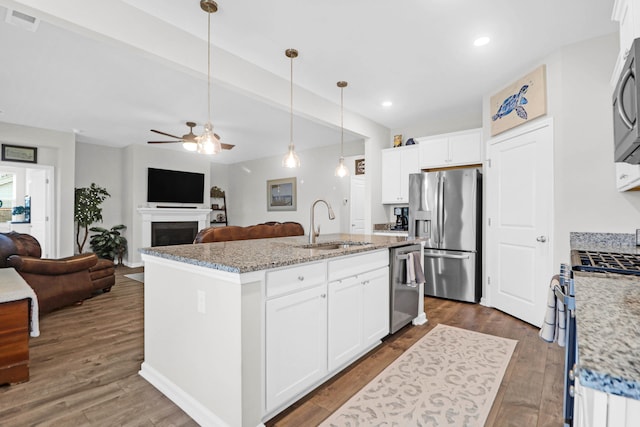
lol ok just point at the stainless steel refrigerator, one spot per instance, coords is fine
(445, 208)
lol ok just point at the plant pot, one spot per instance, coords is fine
(17, 218)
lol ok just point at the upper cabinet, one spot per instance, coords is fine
(627, 13)
(451, 149)
(397, 164)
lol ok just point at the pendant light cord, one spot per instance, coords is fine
(342, 122)
(291, 104)
(209, 67)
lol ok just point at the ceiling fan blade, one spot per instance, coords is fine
(165, 134)
(227, 146)
(162, 142)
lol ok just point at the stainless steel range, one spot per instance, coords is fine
(605, 262)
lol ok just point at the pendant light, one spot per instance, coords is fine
(341, 170)
(208, 142)
(291, 159)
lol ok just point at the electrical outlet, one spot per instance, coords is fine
(202, 305)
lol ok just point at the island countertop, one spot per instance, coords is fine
(243, 256)
(608, 333)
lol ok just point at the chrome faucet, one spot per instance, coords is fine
(312, 232)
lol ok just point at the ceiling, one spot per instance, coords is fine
(419, 54)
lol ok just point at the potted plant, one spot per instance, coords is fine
(17, 214)
(87, 210)
(109, 244)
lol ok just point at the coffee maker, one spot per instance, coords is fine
(402, 219)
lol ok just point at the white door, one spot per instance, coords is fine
(38, 188)
(345, 321)
(519, 194)
(356, 207)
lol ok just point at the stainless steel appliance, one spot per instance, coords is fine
(626, 99)
(404, 297)
(445, 208)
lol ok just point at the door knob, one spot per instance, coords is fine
(541, 239)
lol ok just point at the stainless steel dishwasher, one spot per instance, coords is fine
(404, 296)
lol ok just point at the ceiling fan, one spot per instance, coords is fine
(189, 137)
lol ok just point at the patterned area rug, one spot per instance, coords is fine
(448, 378)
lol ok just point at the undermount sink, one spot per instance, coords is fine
(333, 245)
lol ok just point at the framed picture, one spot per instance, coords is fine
(521, 102)
(397, 140)
(281, 194)
(360, 167)
(16, 153)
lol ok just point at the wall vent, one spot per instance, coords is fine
(22, 20)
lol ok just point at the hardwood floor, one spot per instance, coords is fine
(84, 369)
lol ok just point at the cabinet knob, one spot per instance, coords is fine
(301, 278)
(323, 295)
(366, 282)
(541, 239)
(624, 176)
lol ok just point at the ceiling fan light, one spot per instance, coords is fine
(341, 170)
(291, 159)
(190, 145)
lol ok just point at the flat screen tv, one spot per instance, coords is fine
(168, 186)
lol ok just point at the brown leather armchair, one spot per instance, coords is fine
(56, 282)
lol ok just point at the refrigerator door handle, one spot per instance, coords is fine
(446, 256)
(441, 210)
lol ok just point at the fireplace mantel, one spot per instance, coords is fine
(150, 215)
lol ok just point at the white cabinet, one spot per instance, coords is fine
(358, 306)
(627, 176)
(452, 149)
(627, 13)
(296, 343)
(397, 164)
(594, 408)
(314, 328)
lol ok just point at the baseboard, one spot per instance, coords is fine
(188, 404)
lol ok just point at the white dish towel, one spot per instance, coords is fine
(411, 270)
(554, 326)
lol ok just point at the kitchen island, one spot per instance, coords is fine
(237, 331)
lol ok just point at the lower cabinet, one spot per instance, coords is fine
(296, 343)
(315, 326)
(594, 408)
(358, 315)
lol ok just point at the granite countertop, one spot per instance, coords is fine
(608, 319)
(243, 256)
(608, 332)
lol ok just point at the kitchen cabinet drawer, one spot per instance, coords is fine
(292, 279)
(452, 149)
(357, 264)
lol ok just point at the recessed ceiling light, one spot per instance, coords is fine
(387, 103)
(481, 41)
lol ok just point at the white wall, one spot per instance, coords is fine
(247, 194)
(579, 100)
(56, 149)
(103, 166)
(445, 122)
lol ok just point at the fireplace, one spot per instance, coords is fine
(173, 232)
(158, 215)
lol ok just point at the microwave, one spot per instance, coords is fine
(626, 132)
